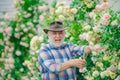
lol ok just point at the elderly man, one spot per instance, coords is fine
(56, 58)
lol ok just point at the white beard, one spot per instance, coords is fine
(52, 41)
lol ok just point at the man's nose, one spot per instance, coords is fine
(57, 35)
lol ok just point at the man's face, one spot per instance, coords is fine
(56, 37)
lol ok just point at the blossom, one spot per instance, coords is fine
(96, 29)
(73, 10)
(106, 16)
(35, 42)
(41, 18)
(82, 36)
(18, 53)
(25, 30)
(30, 24)
(105, 5)
(27, 15)
(95, 74)
(59, 10)
(24, 44)
(8, 30)
(42, 8)
(91, 14)
(17, 35)
(112, 75)
(22, 26)
(114, 23)
(112, 68)
(98, 7)
(61, 17)
(106, 57)
(99, 64)
(87, 27)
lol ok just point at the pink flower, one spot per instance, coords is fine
(18, 53)
(106, 16)
(6, 39)
(105, 5)
(98, 7)
(17, 35)
(27, 15)
(25, 30)
(7, 16)
(8, 30)
(41, 18)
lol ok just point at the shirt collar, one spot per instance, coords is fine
(53, 47)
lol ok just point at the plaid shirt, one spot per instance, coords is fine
(51, 59)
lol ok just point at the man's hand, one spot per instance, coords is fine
(79, 63)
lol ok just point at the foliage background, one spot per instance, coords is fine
(89, 23)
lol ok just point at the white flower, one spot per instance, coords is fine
(91, 14)
(96, 29)
(21, 69)
(94, 60)
(87, 27)
(22, 26)
(27, 15)
(102, 74)
(95, 74)
(35, 42)
(59, 10)
(24, 44)
(97, 47)
(100, 64)
(83, 70)
(112, 75)
(74, 10)
(61, 17)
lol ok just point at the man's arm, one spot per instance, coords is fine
(73, 62)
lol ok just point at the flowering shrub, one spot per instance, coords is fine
(102, 36)
(15, 37)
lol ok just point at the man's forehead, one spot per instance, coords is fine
(56, 31)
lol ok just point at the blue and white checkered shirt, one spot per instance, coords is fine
(51, 58)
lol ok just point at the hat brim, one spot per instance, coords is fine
(46, 30)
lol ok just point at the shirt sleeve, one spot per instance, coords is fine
(48, 62)
(77, 50)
